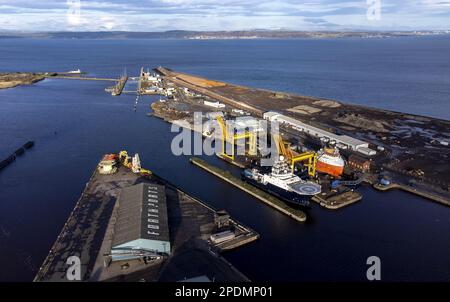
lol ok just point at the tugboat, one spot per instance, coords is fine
(282, 183)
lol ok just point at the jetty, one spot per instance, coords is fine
(90, 231)
(267, 198)
(66, 77)
(338, 200)
(427, 195)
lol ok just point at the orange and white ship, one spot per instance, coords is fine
(330, 161)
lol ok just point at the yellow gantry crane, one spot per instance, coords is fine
(232, 138)
(309, 159)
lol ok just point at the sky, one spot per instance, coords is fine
(162, 15)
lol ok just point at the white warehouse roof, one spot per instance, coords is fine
(252, 123)
(352, 143)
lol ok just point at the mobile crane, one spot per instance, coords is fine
(133, 163)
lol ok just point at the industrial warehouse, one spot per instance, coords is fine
(141, 228)
(341, 141)
(133, 231)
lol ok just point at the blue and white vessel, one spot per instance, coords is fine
(282, 183)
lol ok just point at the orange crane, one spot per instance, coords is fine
(232, 137)
(309, 158)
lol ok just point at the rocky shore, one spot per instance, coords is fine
(10, 80)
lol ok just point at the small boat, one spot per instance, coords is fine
(78, 71)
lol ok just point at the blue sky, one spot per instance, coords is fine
(161, 15)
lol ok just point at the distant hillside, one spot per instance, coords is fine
(250, 34)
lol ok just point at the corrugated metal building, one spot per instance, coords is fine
(343, 140)
(141, 227)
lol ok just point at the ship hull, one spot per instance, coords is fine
(288, 197)
(335, 171)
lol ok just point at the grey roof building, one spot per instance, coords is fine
(141, 227)
(342, 140)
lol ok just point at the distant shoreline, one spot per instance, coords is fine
(223, 35)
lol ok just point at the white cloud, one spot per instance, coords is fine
(222, 15)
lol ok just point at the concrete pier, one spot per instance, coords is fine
(409, 189)
(209, 93)
(141, 78)
(82, 78)
(88, 231)
(120, 86)
(268, 199)
(338, 201)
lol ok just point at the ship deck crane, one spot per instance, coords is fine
(309, 158)
(232, 137)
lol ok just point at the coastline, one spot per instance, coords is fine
(11, 80)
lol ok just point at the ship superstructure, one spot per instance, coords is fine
(280, 181)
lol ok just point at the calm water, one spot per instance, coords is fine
(75, 122)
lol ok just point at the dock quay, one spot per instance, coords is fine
(117, 90)
(90, 231)
(235, 162)
(315, 121)
(268, 199)
(163, 71)
(81, 78)
(337, 201)
(412, 190)
(140, 80)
